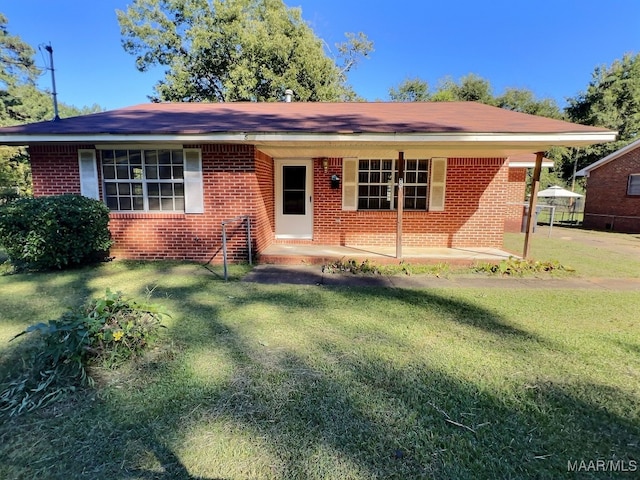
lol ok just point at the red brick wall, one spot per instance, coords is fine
(516, 189)
(474, 210)
(54, 169)
(238, 180)
(607, 202)
(265, 209)
(231, 188)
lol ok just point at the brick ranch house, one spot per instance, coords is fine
(612, 200)
(304, 173)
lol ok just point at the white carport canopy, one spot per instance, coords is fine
(558, 192)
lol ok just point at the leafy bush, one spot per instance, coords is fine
(8, 195)
(106, 331)
(54, 232)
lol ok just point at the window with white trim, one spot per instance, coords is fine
(633, 185)
(148, 180)
(378, 184)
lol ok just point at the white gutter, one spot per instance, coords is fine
(408, 138)
(299, 138)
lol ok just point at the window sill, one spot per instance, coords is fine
(390, 212)
(130, 215)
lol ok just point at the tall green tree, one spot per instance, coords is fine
(17, 70)
(18, 74)
(21, 102)
(16, 58)
(612, 100)
(236, 50)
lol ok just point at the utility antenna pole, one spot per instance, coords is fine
(53, 81)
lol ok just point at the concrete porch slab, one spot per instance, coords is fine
(289, 254)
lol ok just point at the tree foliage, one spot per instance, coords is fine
(410, 90)
(16, 59)
(236, 50)
(22, 102)
(470, 88)
(473, 88)
(612, 100)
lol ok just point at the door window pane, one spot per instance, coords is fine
(294, 180)
(293, 203)
(294, 177)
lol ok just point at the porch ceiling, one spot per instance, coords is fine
(385, 150)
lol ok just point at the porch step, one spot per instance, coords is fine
(322, 255)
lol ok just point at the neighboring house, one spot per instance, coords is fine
(612, 200)
(304, 173)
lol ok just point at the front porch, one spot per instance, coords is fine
(291, 254)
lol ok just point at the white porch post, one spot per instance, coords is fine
(400, 204)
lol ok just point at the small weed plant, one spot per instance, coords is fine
(106, 332)
(351, 266)
(371, 268)
(521, 267)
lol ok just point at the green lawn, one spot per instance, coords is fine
(310, 382)
(603, 254)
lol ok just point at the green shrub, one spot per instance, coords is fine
(8, 195)
(106, 331)
(54, 232)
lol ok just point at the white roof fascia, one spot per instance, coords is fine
(618, 153)
(120, 138)
(408, 138)
(584, 138)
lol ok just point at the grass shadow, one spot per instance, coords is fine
(228, 406)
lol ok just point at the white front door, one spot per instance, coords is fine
(294, 198)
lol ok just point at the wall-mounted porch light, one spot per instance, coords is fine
(335, 181)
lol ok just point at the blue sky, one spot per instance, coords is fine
(548, 46)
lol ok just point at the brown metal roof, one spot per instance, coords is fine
(298, 117)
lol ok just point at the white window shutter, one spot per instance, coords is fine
(437, 184)
(88, 168)
(349, 183)
(193, 187)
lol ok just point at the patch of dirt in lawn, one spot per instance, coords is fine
(625, 243)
